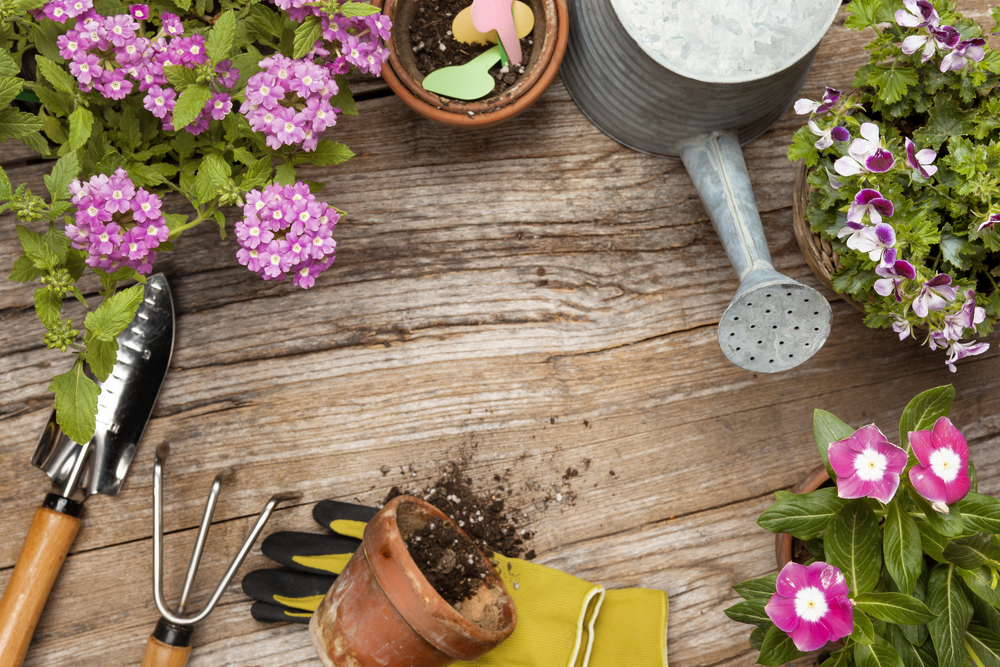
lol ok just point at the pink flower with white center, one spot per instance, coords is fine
(944, 38)
(322, 243)
(943, 474)
(158, 101)
(958, 350)
(105, 237)
(155, 233)
(970, 49)
(221, 105)
(115, 86)
(273, 261)
(867, 465)
(68, 44)
(121, 192)
(920, 160)
(133, 244)
(250, 258)
(871, 203)
(935, 294)
(830, 97)
(145, 206)
(172, 24)
(139, 12)
(85, 67)
(298, 247)
(252, 234)
(811, 605)
(828, 136)
(918, 14)
(379, 24)
(56, 10)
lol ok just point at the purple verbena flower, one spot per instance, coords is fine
(830, 97)
(867, 465)
(942, 477)
(172, 24)
(85, 67)
(811, 605)
(920, 160)
(970, 49)
(935, 294)
(139, 12)
(160, 102)
(872, 203)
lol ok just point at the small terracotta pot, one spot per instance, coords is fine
(550, 35)
(383, 612)
(783, 541)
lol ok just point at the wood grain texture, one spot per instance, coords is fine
(529, 299)
(158, 654)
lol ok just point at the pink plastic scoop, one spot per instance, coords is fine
(498, 15)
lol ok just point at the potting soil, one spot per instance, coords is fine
(435, 47)
(451, 563)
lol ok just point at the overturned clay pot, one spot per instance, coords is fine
(383, 612)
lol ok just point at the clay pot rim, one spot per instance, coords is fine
(456, 114)
(382, 536)
(783, 541)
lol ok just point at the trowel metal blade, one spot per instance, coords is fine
(125, 403)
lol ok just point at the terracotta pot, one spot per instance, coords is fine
(382, 610)
(783, 541)
(550, 35)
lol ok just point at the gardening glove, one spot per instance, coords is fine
(562, 621)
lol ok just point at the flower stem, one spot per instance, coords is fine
(972, 654)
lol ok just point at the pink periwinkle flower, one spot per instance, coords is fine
(944, 38)
(811, 605)
(867, 465)
(970, 49)
(871, 203)
(942, 477)
(920, 160)
(830, 97)
(918, 14)
(935, 294)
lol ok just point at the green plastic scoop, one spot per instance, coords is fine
(465, 82)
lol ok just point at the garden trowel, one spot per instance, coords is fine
(81, 470)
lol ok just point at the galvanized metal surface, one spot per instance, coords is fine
(123, 408)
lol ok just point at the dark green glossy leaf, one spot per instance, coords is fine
(901, 546)
(980, 582)
(980, 513)
(757, 637)
(948, 525)
(921, 413)
(973, 550)
(761, 587)
(908, 653)
(985, 644)
(879, 654)
(749, 611)
(804, 516)
(777, 649)
(841, 658)
(853, 544)
(864, 631)
(946, 598)
(898, 608)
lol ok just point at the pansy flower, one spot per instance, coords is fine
(830, 97)
(870, 202)
(935, 294)
(867, 465)
(970, 49)
(918, 14)
(811, 605)
(920, 160)
(942, 476)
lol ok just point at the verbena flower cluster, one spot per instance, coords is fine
(116, 223)
(286, 231)
(909, 204)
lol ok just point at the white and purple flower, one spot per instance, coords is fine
(829, 135)
(893, 272)
(958, 350)
(866, 154)
(970, 49)
(830, 97)
(920, 160)
(873, 240)
(967, 318)
(935, 294)
(867, 465)
(918, 14)
(943, 474)
(871, 203)
(944, 38)
(990, 223)
(811, 605)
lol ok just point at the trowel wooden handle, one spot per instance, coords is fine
(49, 538)
(159, 654)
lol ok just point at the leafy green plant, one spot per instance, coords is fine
(904, 553)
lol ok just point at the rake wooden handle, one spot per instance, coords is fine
(49, 538)
(159, 654)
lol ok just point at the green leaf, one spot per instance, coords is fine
(945, 120)
(180, 77)
(948, 525)
(974, 550)
(257, 175)
(5, 188)
(777, 649)
(76, 403)
(908, 652)
(220, 39)
(897, 608)
(81, 124)
(804, 516)
(344, 99)
(761, 587)
(18, 124)
(892, 82)
(980, 582)
(877, 654)
(932, 542)
(863, 13)
(48, 305)
(853, 545)
(65, 170)
(757, 637)
(982, 611)
(183, 5)
(921, 413)
(24, 270)
(190, 104)
(220, 219)
(114, 314)
(946, 599)
(102, 355)
(839, 658)
(212, 174)
(828, 429)
(60, 79)
(749, 611)
(985, 644)
(306, 35)
(353, 9)
(7, 65)
(864, 631)
(980, 512)
(328, 153)
(285, 174)
(37, 249)
(9, 89)
(76, 263)
(901, 546)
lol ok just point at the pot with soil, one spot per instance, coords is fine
(417, 593)
(422, 42)
(786, 547)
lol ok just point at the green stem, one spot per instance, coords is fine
(972, 654)
(201, 217)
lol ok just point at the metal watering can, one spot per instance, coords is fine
(694, 79)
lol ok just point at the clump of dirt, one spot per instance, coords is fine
(435, 47)
(450, 562)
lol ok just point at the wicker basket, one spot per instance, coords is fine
(819, 253)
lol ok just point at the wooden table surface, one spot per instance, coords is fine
(528, 299)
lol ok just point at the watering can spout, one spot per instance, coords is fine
(774, 322)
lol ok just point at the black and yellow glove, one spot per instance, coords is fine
(562, 621)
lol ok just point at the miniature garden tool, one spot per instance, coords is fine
(561, 620)
(498, 15)
(465, 32)
(81, 470)
(465, 82)
(170, 643)
(699, 80)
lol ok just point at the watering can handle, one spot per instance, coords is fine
(714, 160)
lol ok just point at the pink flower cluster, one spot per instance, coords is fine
(360, 38)
(110, 55)
(304, 114)
(287, 231)
(117, 224)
